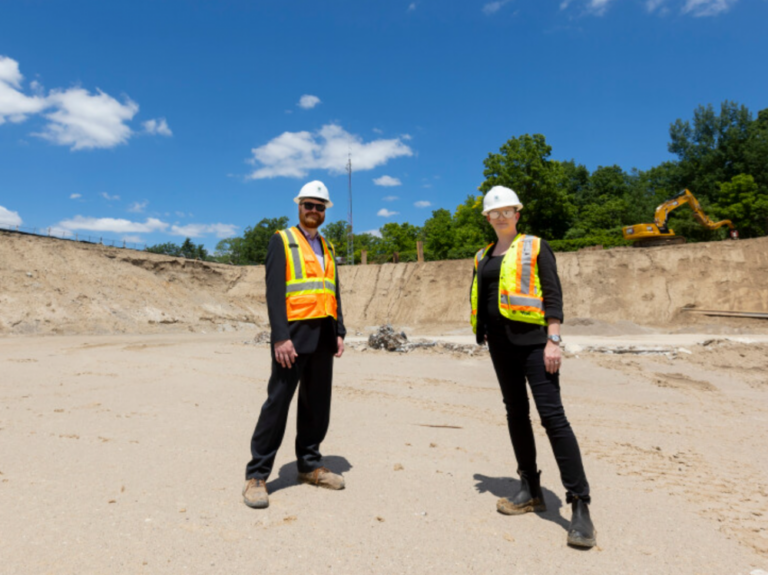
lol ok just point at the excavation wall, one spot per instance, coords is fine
(56, 286)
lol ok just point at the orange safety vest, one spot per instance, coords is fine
(310, 291)
(520, 297)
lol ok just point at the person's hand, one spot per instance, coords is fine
(285, 353)
(339, 347)
(552, 357)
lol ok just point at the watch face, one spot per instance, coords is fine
(555, 338)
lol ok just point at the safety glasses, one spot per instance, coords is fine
(313, 206)
(495, 214)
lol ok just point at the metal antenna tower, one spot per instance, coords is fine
(350, 234)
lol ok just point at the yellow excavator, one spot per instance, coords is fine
(658, 234)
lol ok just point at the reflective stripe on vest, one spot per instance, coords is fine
(520, 297)
(310, 290)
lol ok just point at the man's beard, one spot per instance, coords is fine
(309, 222)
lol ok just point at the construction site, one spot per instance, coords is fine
(132, 381)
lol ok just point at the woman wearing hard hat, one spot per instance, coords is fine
(517, 307)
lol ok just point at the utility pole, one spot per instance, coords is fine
(350, 234)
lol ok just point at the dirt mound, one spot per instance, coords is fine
(55, 286)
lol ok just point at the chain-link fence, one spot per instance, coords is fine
(61, 234)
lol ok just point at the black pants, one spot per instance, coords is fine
(314, 373)
(514, 364)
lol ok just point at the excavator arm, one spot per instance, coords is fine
(686, 197)
(658, 233)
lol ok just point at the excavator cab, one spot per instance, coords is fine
(659, 234)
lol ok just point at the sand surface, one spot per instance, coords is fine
(125, 454)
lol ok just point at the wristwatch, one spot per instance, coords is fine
(555, 339)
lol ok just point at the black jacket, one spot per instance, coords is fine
(308, 335)
(518, 332)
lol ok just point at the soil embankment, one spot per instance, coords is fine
(55, 286)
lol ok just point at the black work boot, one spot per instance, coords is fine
(529, 498)
(581, 532)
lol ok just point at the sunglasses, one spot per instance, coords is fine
(494, 215)
(313, 206)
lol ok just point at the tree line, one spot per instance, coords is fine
(721, 156)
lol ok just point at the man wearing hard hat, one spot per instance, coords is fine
(307, 332)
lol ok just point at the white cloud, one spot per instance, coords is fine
(75, 196)
(598, 7)
(133, 239)
(107, 197)
(9, 218)
(387, 181)
(293, 154)
(307, 101)
(378, 131)
(138, 207)
(159, 127)
(707, 7)
(385, 213)
(406, 137)
(651, 5)
(14, 105)
(85, 121)
(411, 6)
(374, 233)
(119, 226)
(493, 7)
(390, 198)
(422, 204)
(198, 230)
(76, 117)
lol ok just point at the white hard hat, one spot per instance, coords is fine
(500, 197)
(316, 190)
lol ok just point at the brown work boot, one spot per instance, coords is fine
(528, 498)
(322, 477)
(255, 494)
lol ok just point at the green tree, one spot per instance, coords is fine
(167, 248)
(230, 251)
(193, 251)
(742, 202)
(603, 204)
(256, 239)
(711, 149)
(399, 238)
(337, 233)
(471, 230)
(542, 184)
(438, 235)
(372, 244)
(188, 249)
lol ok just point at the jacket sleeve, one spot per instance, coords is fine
(550, 283)
(341, 331)
(275, 279)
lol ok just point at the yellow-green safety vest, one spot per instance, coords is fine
(520, 297)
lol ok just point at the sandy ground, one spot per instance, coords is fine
(125, 454)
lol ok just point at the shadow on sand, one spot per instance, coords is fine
(507, 487)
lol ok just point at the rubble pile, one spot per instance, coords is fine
(386, 338)
(670, 352)
(262, 337)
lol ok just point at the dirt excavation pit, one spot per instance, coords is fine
(128, 431)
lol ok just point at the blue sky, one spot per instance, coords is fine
(152, 121)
